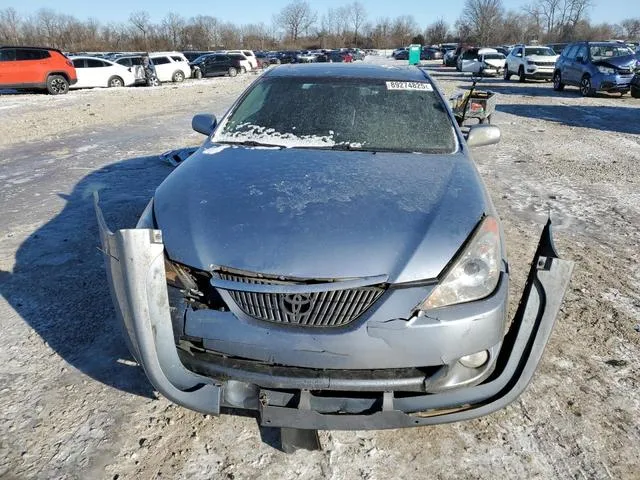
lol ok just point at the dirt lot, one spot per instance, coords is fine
(74, 406)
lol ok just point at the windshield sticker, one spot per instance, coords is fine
(425, 87)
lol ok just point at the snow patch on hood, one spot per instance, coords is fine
(254, 133)
(214, 150)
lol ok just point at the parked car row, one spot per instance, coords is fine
(592, 67)
(51, 70)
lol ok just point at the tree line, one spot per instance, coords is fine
(298, 25)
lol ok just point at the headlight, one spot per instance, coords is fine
(177, 276)
(606, 70)
(530, 62)
(475, 273)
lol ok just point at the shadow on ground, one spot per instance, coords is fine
(58, 284)
(613, 119)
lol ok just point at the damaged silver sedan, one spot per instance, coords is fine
(330, 259)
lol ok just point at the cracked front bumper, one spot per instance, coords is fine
(135, 268)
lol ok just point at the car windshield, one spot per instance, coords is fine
(493, 56)
(601, 52)
(342, 113)
(540, 51)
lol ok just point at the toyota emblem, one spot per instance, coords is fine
(296, 306)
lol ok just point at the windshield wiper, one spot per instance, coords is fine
(250, 143)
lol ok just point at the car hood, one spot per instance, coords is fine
(542, 58)
(495, 62)
(626, 61)
(320, 214)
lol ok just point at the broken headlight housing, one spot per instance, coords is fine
(475, 273)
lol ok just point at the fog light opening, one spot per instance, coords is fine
(475, 360)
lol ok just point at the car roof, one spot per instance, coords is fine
(364, 71)
(32, 48)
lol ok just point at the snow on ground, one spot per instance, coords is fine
(74, 406)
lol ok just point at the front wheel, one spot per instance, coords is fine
(558, 86)
(57, 85)
(635, 92)
(232, 72)
(243, 70)
(198, 74)
(586, 90)
(507, 74)
(115, 82)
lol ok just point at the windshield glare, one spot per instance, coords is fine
(541, 51)
(608, 51)
(367, 114)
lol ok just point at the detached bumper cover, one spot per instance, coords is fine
(135, 269)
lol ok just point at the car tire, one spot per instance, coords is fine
(57, 85)
(586, 90)
(635, 92)
(115, 82)
(178, 76)
(523, 77)
(232, 72)
(243, 70)
(507, 74)
(558, 86)
(197, 74)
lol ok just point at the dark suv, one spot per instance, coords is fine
(217, 64)
(36, 68)
(595, 67)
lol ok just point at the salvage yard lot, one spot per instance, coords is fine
(74, 406)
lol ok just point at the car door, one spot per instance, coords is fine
(470, 61)
(164, 68)
(29, 65)
(515, 59)
(569, 69)
(82, 72)
(8, 69)
(98, 72)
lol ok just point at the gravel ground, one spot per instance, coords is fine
(74, 406)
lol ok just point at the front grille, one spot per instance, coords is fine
(624, 71)
(334, 308)
(544, 64)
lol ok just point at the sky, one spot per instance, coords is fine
(256, 11)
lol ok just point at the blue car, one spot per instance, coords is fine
(329, 258)
(595, 67)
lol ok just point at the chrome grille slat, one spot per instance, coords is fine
(334, 308)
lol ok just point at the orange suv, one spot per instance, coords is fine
(36, 68)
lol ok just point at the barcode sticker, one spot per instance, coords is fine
(426, 87)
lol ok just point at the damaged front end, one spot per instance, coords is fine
(302, 398)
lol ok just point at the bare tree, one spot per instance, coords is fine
(437, 32)
(9, 26)
(357, 16)
(296, 19)
(631, 28)
(484, 17)
(141, 20)
(173, 24)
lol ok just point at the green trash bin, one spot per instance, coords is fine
(414, 54)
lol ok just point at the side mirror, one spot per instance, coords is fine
(204, 123)
(482, 135)
(579, 59)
